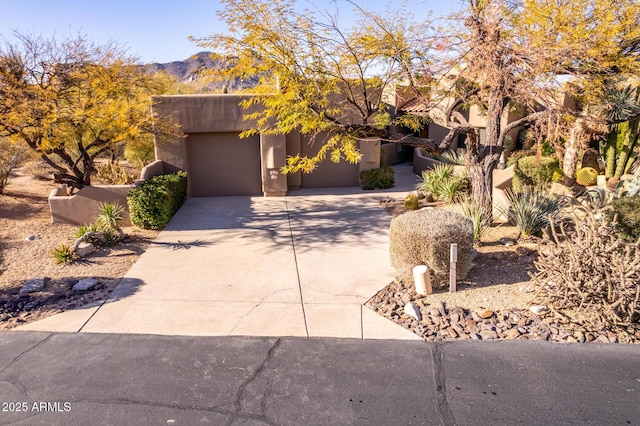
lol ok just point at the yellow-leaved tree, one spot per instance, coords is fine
(72, 100)
(319, 77)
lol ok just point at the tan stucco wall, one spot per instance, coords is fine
(82, 207)
(198, 114)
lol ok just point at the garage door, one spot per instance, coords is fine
(327, 174)
(223, 164)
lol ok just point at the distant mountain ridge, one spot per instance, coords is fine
(188, 71)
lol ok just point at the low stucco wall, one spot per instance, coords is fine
(82, 207)
(501, 183)
(422, 162)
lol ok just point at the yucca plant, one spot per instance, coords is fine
(530, 210)
(64, 254)
(480, 216)
(443, 182)
(108, 222)
(450, 189)
(111, 214)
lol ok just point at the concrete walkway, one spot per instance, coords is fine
(301, 265)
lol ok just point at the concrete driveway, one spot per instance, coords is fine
(301, 265)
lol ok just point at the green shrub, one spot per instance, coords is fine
(154, 202)
(424, 237)
(533, 171)
(627, 210)
(530, 210)
(381, 178)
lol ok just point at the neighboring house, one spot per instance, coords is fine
(473, 115)
(219, 162)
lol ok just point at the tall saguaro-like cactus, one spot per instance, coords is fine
(622, 140)
(629, 144)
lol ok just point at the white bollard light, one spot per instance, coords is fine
(422, 279)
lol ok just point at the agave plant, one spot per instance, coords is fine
(530, 210)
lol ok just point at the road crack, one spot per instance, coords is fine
(23, 353)
(442, 404)
(237, 402)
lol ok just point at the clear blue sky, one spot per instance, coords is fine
(153, 30)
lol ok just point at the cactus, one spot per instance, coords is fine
(557, 175)
(587, 176)
(411, 202)
(629, 143)
(622, 140)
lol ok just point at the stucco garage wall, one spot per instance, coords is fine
(328, 173)
(223, 164)
(218, 162)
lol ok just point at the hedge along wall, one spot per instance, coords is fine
(153, 203)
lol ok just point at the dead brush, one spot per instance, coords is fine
(586, 272)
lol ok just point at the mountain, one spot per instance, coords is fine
(188, 71)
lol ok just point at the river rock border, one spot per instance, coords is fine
(439, 322)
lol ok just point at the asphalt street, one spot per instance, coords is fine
(87, 379)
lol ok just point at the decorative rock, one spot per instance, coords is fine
(413, 311)
(488, 335)
(32, 285)
(31, 238)
(487, 313)
(507, 242)
(512, 333)
(85, 249)
(539, 309)
(85, 284)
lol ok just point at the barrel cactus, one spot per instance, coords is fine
(587, 176)
(411, 202)
(557, 175)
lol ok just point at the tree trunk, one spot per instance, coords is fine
(480, 162)
(571, 150)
